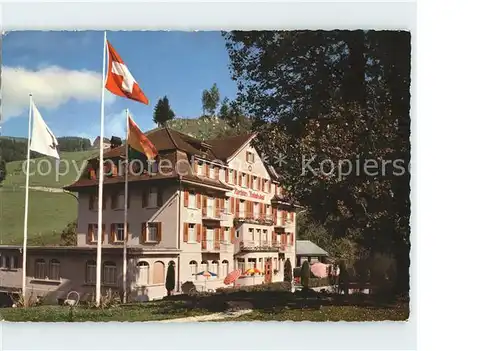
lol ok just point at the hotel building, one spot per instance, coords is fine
(203, 205)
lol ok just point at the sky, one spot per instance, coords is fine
(63, 71)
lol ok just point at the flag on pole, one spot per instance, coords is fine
(43, 140)
(120, 81)
(137, 141)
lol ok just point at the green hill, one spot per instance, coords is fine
(49, 212)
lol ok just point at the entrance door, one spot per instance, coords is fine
(268, 274)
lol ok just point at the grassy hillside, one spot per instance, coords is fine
(49, 212)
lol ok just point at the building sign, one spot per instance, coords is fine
(252, 194)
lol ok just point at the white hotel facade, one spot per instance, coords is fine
(205, 205)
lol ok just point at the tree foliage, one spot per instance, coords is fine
(335, 105)
(288, 271)
(163, 112)
(68, 235)
(305, 274)
(3, 170)
(170, 280)
(210, 100)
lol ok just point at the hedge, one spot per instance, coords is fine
(277, 286)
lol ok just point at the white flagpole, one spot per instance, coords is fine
(26, 201)
(101, 181)
(125, 215)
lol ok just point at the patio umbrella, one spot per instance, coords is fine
(206, 274)
(252, 271)
(232, 277)
(320, 270)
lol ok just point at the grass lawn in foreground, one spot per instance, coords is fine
(133, 312)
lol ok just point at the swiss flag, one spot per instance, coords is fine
(120, 81)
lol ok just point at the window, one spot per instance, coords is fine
(255, 184)
(215, 267)
(119, 232)
(194, 268)
(225, 237)
(241, 265)
(109, 273)
(264, 235)
(275, 263)
(143, 273)
(211, 171)
(153, 197)
(227, 205)
(90, 272)
(204, 266)
(199, 169)
(152, 234)
(14, 262)
(258, 237)
(40, 269)
(231, 176)
(54, 270)
(159, 272)
(250, 157)
(268, 210)
(256, 209)
(3, 262)
(224, 268)
(261, 265)
(250, 234)
(191, 233)
(242, 208)
(118, 200)
(93, 232)
(252, 263)
(192, 200)
(92, 202)
(266, 185)
(243, 180)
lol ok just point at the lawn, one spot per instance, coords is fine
(133, 312)
(266, 306)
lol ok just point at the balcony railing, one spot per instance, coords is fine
(210, 212)
(283, 222)
(254, 218)
(215, 246)
(258, 246)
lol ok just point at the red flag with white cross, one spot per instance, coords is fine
(120, 81)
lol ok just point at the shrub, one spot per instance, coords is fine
(187, 286)
(288, 271)
(305, 274)
(278, 286)
(170, 281)
(296, 272)
(316, 282)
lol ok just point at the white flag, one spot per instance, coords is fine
(42, 139)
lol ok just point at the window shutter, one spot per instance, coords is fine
(249, 209)
(90, 230)
(186, 198)
(143, 233)
(232, 205)
(145, 196)
(205, 167)
(239, 178)
(292, 215)
(291, 239)
(115, 170)
(275, 215)
(274, 237)
(158, 231)
(159, 197)
(217, 238)
(186, 230)
(262, 210)
(112, 237)
(204, 234)
(217, 207)
(233, 234)
(217, 173)
(227, 175)
(204, 209)
(198, 232)
(269, 186)
(198, 200)
(237, 203)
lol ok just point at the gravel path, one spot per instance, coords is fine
(208, 317)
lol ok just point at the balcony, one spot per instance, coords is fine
(284, 223)
(215, 246)
(258, 246)
(254, 218)
(210, 213)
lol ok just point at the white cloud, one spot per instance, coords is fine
(51, 87)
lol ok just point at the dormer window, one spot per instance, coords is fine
(199, 170)
(211, 171)
(250, 157)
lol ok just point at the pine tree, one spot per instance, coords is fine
(170, 281)
(163, 112)
(288, 271)
(305, 274)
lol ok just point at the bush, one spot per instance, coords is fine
(296, 272)
(305, 274)
(278, 286)
(316, 282)
(288, 271)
